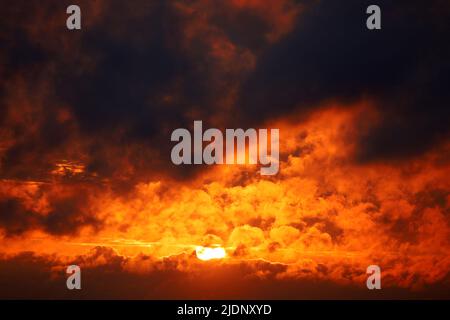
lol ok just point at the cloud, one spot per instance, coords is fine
(85, 123)
(57, 210)
(106, 275)
(330, 55)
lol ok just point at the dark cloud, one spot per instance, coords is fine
(111, 77)
(403, 68)
(14, 217)
(130, 71)
(67, 214)
(70, 213)
(131, 76)
(128, 78)
(244, 28)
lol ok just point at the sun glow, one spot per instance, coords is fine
(205, 253)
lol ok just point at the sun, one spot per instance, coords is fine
(210, 253)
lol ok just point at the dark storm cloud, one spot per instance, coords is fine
(28, 116)
(331, 55)
(15, 218)
(130, 77)
(29, 157)
(66, 216)
(69, 214)
(245, 28)
(118, 77)
(143, 83)
(133, 64)
(134, 73)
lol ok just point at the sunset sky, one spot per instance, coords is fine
(86, 176)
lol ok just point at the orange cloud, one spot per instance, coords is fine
(324, 216)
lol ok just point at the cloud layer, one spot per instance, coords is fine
(85, 170)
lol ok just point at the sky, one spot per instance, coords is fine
(86, 177)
